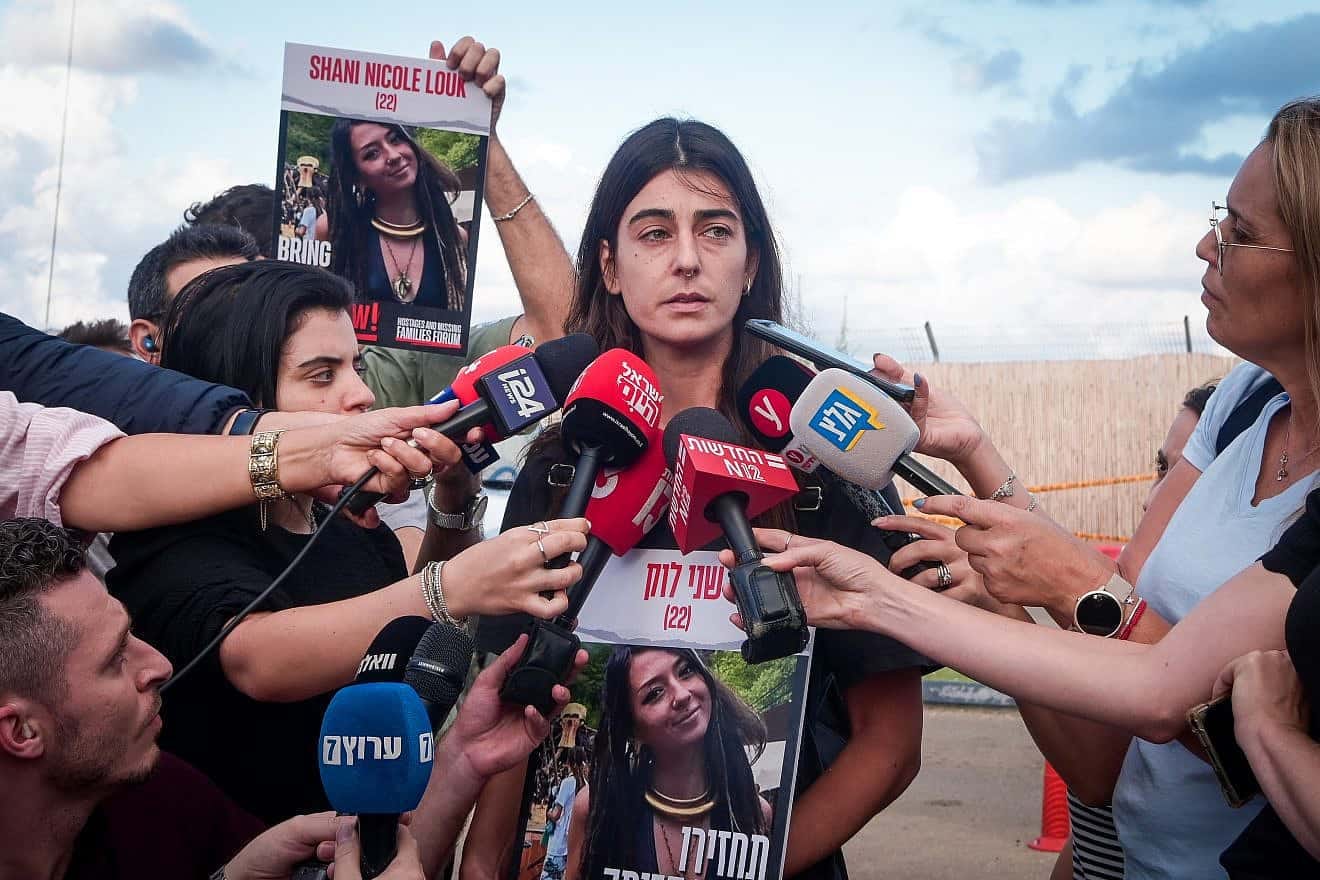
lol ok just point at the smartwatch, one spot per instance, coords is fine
(1101, 612)
(468, 518)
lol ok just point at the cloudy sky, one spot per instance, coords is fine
(1001, 170)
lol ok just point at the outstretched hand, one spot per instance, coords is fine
(492, 735)
(477, 64)
(948, 429)
(835, 582)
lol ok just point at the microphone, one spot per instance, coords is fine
(718, 485)
(611, 416)
(375, 761)
(438, 670)
(841, 418)
(483, 453)
(765, 403)
(625, 505)
(389, 651)
(509, 397)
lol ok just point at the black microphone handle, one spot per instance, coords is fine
(575, 503)
(922, 478)
(592, 560)
(871, 504)
(730, 511)
(378, 836)
(474, 415)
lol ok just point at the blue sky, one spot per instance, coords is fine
(988, 164)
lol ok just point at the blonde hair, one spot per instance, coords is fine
(1294, 133)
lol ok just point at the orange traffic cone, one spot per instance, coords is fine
(1054, 826)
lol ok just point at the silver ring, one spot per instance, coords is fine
(539, 546)
(943, 577)
(788, 540)
(416, 483)
(539, 529)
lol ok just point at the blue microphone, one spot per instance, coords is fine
(376, 751)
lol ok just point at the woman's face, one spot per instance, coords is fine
(1256, 307)
(385, 161)
(682, 260)
(670, 700)
(320, 365)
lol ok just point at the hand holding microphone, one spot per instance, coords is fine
(508, 573)
(510, 396)
(624, 506)
(718, 485)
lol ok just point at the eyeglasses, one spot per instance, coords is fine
(1215, 208)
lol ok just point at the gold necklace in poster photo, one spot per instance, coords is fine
(402, 284)
(669, 851)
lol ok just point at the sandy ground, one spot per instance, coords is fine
(969, 813)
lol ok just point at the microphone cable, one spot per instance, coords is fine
(252, 606)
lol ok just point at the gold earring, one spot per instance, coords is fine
(747, 288)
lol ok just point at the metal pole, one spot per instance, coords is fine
(59, 173)
(1187, 332)
(930, 337)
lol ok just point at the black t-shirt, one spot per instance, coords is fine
(840, 659)
(182, 583)
(1266, 848)
(176, 825)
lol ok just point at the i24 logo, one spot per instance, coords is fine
(521, 391)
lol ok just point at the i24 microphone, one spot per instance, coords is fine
(511, 396)
(482, 454)
(841, 418)
(625, 505)
(765, 405)
(718, 484)
(376, 752)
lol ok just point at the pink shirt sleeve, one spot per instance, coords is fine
(39, 448)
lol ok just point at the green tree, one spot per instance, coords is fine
(762, 686)
(455, 149)
(308, 134)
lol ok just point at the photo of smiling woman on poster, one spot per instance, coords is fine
(389, 221)
(672, 751)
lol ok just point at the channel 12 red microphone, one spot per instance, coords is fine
(510, 396)
(625, 505)
(718, 485)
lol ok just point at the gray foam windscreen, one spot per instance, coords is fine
(855, 429)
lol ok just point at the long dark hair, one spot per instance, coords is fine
(684, 145)
(619, 777)
(351, 207)
(229, 325)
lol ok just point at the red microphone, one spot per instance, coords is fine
(718, 484)
(625, 504)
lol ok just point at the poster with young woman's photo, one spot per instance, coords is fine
(677, 757)
(380, 173)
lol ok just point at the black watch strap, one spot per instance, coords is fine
(246, 421)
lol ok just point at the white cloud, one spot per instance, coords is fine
(111, 36)
(111, 210)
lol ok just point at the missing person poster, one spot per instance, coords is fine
(380, 174)
(677, 758)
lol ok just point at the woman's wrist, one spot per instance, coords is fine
(304, 461)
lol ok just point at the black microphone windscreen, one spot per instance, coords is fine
(766, 399)
(439, 666)
(390, 650)
(562, 360)
(699, 421)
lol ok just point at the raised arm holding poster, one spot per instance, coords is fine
(380, 174)
(678, 759)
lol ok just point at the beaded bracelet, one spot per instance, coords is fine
(433, 594)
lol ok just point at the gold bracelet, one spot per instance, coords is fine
(264, 466)
(504, 218)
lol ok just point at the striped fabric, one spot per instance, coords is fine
(39, 448)
(1097, 854)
